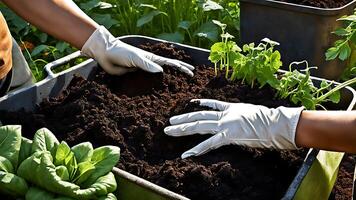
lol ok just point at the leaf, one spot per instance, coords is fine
(85, 170)
(332, 53)
(110, 196)
(146, 18)
(10, 143)
(62, 46)
(83, 151)
(104, 159)
(25, 149)
(71, 164)
(35, 193)
(226, 36)
(341, 32)
(5, 165)
(63, 151)
(174, 37)
(208, 30)
(351, 18)
(44, 140)
(209, 5)
(275, 61)
(353, 38)
(62, 172)
(345, 52)
(184, 25)
(142, 5)
(216, 52)
(220, 24)
(12, 185)
(105, 19)
(269, 41)
(106, 182)
(89, 5)
(335, 97)
(43, 37)
(39, 49)
(105, 5)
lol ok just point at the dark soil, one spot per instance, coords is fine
(131, 112)
(320, 3)
(343, 185)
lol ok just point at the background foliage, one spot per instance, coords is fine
(184, 21)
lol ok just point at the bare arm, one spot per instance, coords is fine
(60, 18)
(329, 130)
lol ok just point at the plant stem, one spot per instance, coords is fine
(336, 88)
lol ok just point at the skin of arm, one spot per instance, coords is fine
(328, 130)
(62, 19)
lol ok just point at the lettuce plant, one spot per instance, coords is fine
(48, 169)
(10, 147)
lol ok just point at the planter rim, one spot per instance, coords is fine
(301, 8)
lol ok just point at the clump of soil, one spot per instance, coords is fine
(344, 183)
(320, 3)
(131, 112)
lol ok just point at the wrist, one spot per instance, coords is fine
(97, 43)
(285, 121)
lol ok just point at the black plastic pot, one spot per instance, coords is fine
(303, 31)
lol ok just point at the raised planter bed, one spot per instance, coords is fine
(102, 111)
(303, 31)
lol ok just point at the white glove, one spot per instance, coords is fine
(237, 123)
(117, 58)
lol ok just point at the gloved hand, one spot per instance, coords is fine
(237, 123)
(117, 58)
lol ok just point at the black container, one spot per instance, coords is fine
(303, 31)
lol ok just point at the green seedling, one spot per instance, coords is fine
(299, 88)
(344, 49)
(250, 64)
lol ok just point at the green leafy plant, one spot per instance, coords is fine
(300, 89)
(344, 48)
(48, 169)
(250, 64)
(184, 21)
(261, 63)
(10, 157)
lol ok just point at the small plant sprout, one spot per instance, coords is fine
(260, 63)
(225, 51)
(299, 88)
(251, 63)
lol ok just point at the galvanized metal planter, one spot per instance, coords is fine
(130, 186)
(303, 31)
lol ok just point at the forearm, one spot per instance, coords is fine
(59, 18)
(328, 130)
